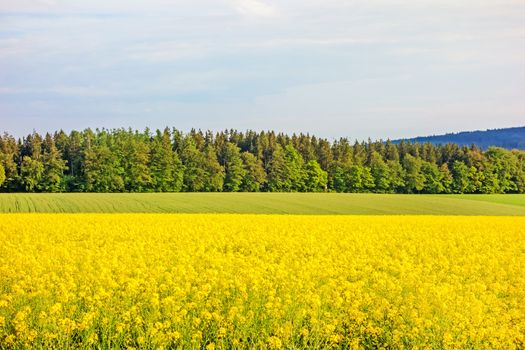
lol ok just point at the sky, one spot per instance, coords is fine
(357, 69)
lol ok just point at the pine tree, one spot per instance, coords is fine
(214, 171)
(166, 167)
(54, 167)
(135, 162)
(102, 171)
(127, 160)
(391, 152)
(234, 168)
(278, 179)
(342, 151)
(324, 154)
(9, 151)
(337, 179)
(32, 167)
(31, 172)
(359, 156)
(194, 177)
(72, 150)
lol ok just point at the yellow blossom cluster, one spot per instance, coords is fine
(221, 281)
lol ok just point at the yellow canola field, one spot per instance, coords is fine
(153, 281)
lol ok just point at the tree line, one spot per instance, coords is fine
(125, 160)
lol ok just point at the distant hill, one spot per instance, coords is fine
(509, 138)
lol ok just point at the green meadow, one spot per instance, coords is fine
(263, 203)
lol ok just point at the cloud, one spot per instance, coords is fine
(255, 8)
(268, 63)
(76, 91)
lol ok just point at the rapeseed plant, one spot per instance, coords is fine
(153, 281)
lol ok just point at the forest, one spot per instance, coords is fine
(508, 138)
(126, 160)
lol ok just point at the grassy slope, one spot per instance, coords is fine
(278, 203)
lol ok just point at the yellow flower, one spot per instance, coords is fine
(274, 343)
(10, 339)
(174, 335)
(178, 281)
(304, 332)
(93, 338)
(222, 332)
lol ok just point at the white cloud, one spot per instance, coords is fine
(287, 62)
(255, 8)
(76, 91)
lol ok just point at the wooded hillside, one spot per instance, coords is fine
(508, 138)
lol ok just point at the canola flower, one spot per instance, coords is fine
(154, 281)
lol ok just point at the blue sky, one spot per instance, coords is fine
(333, 68)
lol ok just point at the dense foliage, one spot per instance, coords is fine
(169, 161)
(507, 138)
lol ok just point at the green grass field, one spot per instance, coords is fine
(263, 203)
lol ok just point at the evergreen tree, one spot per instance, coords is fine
(304, 146)
(337, 176)
(32, 167)
(135, 162)
(342, 151)
(194, 177)
(126, 160)
(324, 154)
(31, 172)
(54, 167)
(214, 180)
(9, 152)
(102, 171)
(73, 153)
(32, 146)
(391, 152)
(359, 156)
(234, 168)
(166, 168)
(278, 179)
(255, 176)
